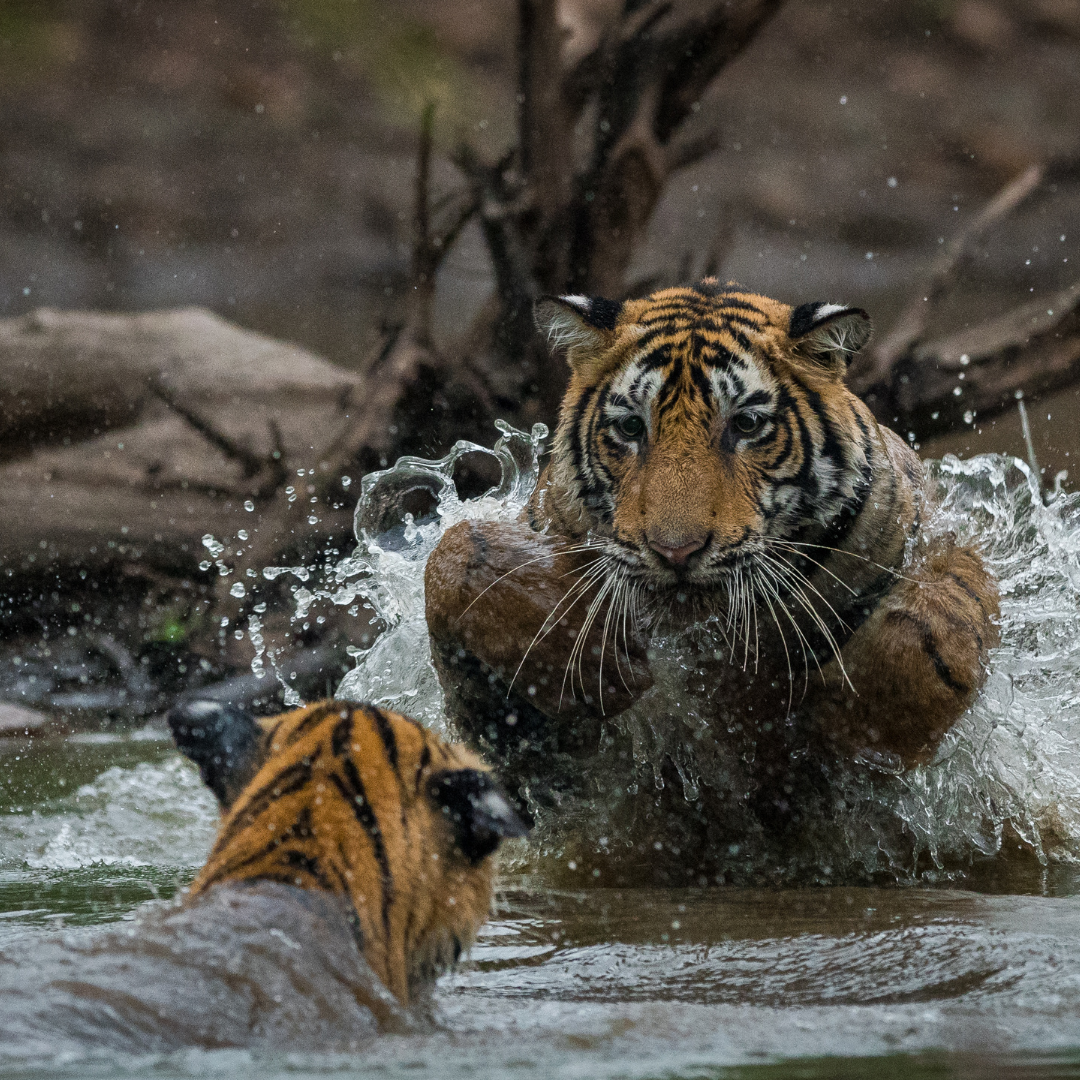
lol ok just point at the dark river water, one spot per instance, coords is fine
(602, 983)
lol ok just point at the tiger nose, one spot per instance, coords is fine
(677, 556)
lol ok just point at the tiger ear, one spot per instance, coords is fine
(481, 815)
(830, 334)
(225, 741)
(579, 324)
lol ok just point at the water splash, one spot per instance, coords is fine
(386, 573)
(1008, 772)
(152, 814)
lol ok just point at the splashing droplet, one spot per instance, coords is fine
(212, 545)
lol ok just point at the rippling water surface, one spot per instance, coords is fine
(977, 976)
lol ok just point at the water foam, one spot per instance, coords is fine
(387, 569)
(152, 814)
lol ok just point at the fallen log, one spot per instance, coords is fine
(980, 371)
(132, 436)
(927, 387)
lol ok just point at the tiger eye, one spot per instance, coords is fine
(747, 423)
(630, 427)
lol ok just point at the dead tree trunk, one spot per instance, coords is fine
(556, 223)
(561, 211)
(566, 207)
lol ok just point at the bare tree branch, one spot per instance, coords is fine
(656, 65)
(429, 248)
(690, 151)
(545, 138)
(252, 463)
(424, 254)
(587, 76)
(908, 329)
(696, 53)
(977, 372)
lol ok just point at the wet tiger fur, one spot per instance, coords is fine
(363, 804)
(710, 462)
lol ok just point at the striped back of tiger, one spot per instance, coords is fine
(371, 806)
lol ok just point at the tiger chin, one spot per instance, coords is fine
(710, 464)
(364, 807)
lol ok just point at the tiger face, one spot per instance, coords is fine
(702, 424)
(372, 807)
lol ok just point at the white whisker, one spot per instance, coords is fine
(593, 572)
(784, 572)
(578, 650)
(850, 554)
(783, 642)
(529, 562)
(803, 643)
(820, 566)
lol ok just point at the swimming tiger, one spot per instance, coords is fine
(361, 803)
(710, 465)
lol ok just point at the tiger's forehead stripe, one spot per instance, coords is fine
(660, 349)
(690, 304)
(694, 364)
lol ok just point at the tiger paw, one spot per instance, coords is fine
(530, 643)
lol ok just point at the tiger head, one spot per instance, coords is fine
(701, 424)
(373, 807)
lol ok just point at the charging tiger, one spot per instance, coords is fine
(710, 465)
(360, 803)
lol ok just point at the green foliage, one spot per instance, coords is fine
(174, 624)
(31, 38)
(400, 57)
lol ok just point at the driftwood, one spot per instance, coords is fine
(1031, 350)
(929, 386)
(130, 437)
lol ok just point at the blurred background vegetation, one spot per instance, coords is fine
(257, 157)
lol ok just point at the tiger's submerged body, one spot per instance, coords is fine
(711, 466)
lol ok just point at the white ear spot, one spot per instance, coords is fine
(580, 302)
